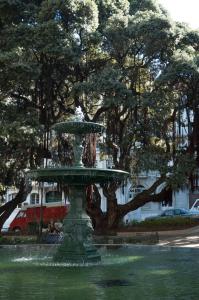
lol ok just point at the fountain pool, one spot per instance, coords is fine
(131, 272)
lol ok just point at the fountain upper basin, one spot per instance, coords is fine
(77, 175)
(78, 127)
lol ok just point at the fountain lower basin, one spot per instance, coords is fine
(77, 245)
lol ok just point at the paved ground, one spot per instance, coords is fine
(176, 238)
(180, 238)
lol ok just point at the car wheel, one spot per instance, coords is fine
(17, 230)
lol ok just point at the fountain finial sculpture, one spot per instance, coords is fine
(77, 246)
(79, 116)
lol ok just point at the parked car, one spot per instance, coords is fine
(176, 212)
(32, 215)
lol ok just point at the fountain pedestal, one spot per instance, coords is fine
(77, 246)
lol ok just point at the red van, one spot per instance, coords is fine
(31, 216)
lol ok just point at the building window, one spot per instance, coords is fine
(53, 196)
(167, 203)
(134, 190)
(34, 198)
(11, 196)
(21, 214)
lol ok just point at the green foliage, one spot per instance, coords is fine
(73, 14)
(109, 8)
(10, 10)
(174, 222)
(15, 240)
(19, 136)
(144, 5)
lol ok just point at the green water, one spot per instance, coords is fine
(143, 273)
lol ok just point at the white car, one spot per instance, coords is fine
(176, 212)
(195, 206)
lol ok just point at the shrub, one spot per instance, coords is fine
(14, 240)
(175, 221)
(134, 223)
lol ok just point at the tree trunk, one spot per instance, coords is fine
(109, 221)
(104, 222)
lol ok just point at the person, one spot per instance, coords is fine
(58, 226)
(127, 222)
(51, 227)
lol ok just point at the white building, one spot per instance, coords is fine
(43, 194)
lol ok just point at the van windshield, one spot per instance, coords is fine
(21, 214)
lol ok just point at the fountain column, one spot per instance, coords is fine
(78, 151)
(77, 245)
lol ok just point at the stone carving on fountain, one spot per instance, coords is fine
(77, 246)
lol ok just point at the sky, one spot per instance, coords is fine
(183, 11)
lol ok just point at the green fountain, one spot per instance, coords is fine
(77, 246)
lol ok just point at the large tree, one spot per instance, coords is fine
(141, 89)
(125, 63)
(39, 64)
